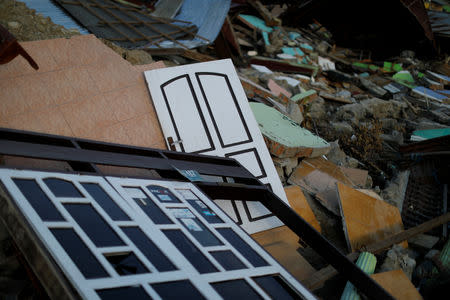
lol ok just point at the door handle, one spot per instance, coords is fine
(172, 143)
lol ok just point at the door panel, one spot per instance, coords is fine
(181, 100)
(223, 107)
(205, 107)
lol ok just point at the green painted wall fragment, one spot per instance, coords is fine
(361, 65)
(293, 51)
(405, 78)
(301, 96)
(366, 262)
(281, 129)
(397, 67)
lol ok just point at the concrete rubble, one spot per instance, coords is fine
(339, 125)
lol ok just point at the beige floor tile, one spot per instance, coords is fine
(12, 101)
(129, 102)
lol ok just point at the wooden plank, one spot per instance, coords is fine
(366, 220)
(406, 234)
(285, 66)
(230, 36)
(197, 56)
(397, 284)
(298, 202)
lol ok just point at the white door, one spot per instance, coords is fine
(202, 108)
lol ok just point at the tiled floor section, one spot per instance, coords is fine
(82, 89)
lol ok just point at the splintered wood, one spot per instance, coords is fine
(299, 203)
(366, 220)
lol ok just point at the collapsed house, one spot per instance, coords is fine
(122, 176)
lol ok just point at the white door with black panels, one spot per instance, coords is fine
(202, 108)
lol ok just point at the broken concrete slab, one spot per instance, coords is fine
(398, 258)
(287, 163)
(395, 192)
(284, 137)
(397, 284)
(423, 240)
(366, 220)
(300, 205)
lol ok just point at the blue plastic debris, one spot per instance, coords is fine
(257, 22)
(294, 35)
(293, 51)
(427, 93)
(207, 15)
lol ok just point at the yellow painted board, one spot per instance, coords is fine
(366, 220)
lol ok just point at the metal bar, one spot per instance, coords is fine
(297, 224)
(445, 208)
(152, 37)
(87, 7)
(123, 22)
(164, 20)
(153, 28)
(14, 148)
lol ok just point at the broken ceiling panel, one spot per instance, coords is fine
(202, 108)
(126, 26)
(127, 238)
(366, 220)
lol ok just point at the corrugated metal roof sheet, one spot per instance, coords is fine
(49, 9)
